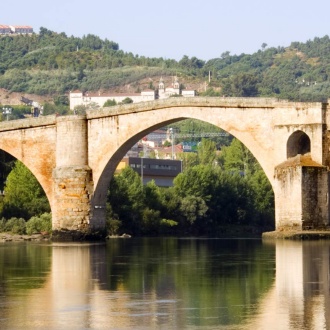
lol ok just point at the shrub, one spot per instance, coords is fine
(43, 223)
(13, 225)
(2, 225)
(113, 226)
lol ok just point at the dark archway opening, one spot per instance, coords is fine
(298, 143)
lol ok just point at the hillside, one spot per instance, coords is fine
(47, 65)
(14, 98)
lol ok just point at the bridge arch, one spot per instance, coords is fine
(35, 172)
(298, 143)
(110, 159)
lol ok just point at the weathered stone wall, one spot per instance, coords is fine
(71, 141)
(33, 142)
(73, 182)
(315, 208)
(73, 191)
(288, 197)
(301, 194)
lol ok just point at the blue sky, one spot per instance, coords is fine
(172, 29)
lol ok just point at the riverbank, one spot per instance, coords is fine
(8, 237)
(297, 235)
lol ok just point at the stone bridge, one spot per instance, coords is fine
(74, 157)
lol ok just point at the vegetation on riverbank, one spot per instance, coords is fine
(216, 193)
(35, 225)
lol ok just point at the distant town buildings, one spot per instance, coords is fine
(163, 92)
(161, 171)
(15, 29)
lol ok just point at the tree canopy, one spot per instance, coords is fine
(24, 197)
(51, 63)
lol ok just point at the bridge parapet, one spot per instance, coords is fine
(27, 123)
(222, 102)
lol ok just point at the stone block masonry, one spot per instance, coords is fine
(71, 213)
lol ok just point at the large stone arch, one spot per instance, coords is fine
(111, 152)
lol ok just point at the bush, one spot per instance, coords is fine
(113, 226)
(39, 224)
(2, 225)
(13, 225)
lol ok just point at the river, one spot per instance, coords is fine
(165, 283)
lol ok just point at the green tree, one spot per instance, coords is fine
(241, 85)
(109, 103)
(24, 196)
(127, 200)
(126, 100)
(193, 208)
(206, 152)
(237, 158)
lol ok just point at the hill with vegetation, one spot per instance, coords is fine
(51, 64)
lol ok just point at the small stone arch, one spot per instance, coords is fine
(298, 143)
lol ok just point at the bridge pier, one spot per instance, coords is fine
(301, 195)
(73, 184)
(71, 211)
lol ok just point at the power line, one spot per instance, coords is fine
(188, 135)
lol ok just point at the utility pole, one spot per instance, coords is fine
(172, 138)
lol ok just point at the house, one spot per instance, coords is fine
(15, 29)
(21, 29)
(5, 29)
(162, 171)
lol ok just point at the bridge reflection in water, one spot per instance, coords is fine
(300, 297)
(274, 285)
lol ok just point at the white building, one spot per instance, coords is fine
(21, 29)
(5, 29)
(80, 98)
(15, 29)
(88, 98)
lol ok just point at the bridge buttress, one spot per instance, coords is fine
(301, 195)
(73, 183)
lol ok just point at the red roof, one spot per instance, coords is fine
(93, 94)
(22, 26)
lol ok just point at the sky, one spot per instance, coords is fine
(171, 29)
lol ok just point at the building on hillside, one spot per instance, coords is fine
(175, 89)
(162, 171)
(5, 29)
(165, 92)
(21, 29)
(15, 29)
(79, 98)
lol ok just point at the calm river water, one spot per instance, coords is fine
(165, 284)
